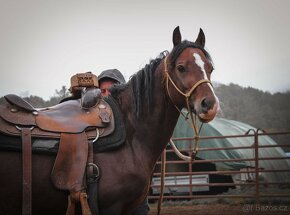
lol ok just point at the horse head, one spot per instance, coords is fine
(188, 69)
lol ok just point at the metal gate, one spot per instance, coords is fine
(184, 183)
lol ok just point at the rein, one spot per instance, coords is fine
(192, 124)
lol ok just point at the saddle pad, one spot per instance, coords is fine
(47, 146)
(118, 137)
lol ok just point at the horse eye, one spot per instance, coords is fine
(181, 68)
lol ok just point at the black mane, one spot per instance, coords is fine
(142, 83)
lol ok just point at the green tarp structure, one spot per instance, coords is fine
(225, 127)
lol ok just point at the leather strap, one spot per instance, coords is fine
(84, 204)
(90, 168)
(93, 174)
(26, 168)
(71, 206)
(76, 197)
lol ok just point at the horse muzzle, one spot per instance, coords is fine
(207, 108)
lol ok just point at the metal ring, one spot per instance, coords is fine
(96, 167)
(32, 127)
(98, 135)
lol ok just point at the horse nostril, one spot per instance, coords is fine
(206, 105)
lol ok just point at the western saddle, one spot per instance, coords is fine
(76, 123)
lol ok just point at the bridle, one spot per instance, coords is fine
(192, 124)
(187, 96)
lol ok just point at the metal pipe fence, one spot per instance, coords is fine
(192, 187)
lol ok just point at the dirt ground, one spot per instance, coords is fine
(221, 209)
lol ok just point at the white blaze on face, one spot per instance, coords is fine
(200, 63)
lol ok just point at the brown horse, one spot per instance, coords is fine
(149, 102)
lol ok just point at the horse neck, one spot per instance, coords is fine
(149, 134)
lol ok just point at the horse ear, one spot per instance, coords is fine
(200, 38)
(176, 38)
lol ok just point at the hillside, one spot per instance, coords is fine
(270, 112)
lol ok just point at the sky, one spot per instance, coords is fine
(43, 43)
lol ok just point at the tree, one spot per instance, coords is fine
(62, 93)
